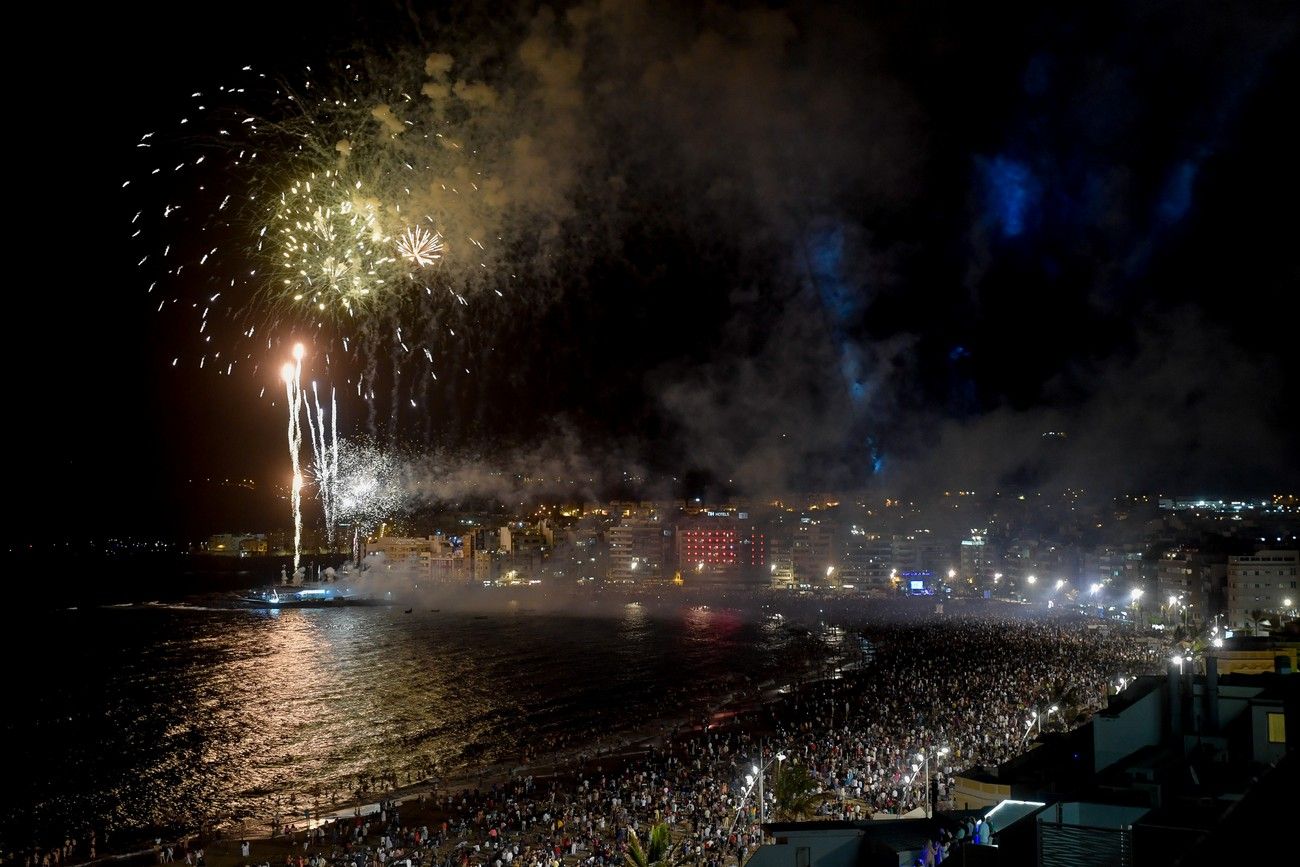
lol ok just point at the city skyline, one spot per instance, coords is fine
(1024, 257)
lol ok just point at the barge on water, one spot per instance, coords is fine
(304, 596)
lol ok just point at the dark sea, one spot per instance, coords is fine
(164, 716)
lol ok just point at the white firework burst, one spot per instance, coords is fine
(419, 246)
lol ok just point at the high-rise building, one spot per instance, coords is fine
(1264, 582)
(639, 551)
(1191, 583)
(814, 553)
(867, 561)
(722, 548)
(780, 561)
(979, 561)
(921, 551)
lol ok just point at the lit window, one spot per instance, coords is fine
(1277, 728)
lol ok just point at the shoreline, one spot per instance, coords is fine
(608, 752)
(738, 695)
(613, 747)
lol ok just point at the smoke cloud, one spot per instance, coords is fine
(789, 162)
(827, 247)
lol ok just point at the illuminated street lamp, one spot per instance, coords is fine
(1036, 721)
(1060, 582)
(1032, 579)
(754, 776)
(924, 759)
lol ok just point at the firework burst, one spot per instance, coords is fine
(420, 247)
(341, 211)
(368, 482)
(334, 254)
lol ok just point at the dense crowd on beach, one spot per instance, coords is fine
(963, 694)
(960, 691)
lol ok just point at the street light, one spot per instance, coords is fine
(924, 759)
(1037, 720)
(1134, 595)
(756, 775)
(1032, 579)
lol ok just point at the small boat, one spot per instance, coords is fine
(303, 596)
(408, 611)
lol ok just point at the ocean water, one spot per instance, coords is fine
(145, 717)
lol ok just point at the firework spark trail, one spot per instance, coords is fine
(324, 443)
(334, 456)
(319, 458)
(292, 375)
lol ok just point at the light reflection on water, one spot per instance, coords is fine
(164, 716)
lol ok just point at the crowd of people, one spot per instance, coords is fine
(956, 695)
(958, 690)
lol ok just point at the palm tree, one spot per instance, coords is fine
(657, 851)
(796, 793)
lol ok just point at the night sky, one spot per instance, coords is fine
(758, 248)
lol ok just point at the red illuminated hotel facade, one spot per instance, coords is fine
(722, 548)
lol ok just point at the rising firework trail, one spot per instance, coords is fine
(324, 431)
(292, 375)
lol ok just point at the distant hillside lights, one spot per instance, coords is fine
(237, 545)
(1277, 504)
(277, 543)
